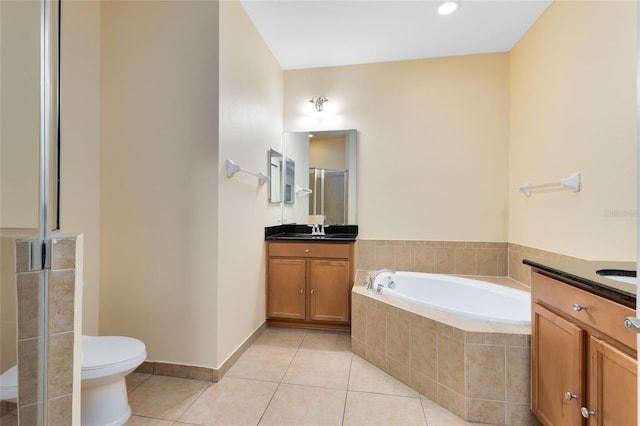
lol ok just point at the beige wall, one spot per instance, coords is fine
(80, 134)
(432, 142)
(250, 124)
(20, 118)
(159, 176)
(573, 109)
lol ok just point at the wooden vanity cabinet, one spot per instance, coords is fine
(584, 368)
(309, 284)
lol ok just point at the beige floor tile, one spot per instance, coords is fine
(324, 369)
(303, 405)
(263, 363)
(164, 397)
(369, 409)
(135, 379)
(365, 377)
(231, 402)
(280, 337)
(327, 341)
(438, 416)
(146, 421)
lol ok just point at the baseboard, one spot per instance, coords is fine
(200, 373)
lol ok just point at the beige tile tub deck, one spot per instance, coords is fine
(478, 370)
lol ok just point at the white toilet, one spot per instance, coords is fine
(106, 360)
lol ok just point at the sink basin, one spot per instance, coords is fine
(621, 275)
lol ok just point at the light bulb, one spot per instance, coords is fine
(447, 7)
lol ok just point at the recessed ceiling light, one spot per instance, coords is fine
(448, 7)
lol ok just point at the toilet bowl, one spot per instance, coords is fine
(9, 384)
(106, 360)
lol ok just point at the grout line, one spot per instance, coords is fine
(346, 395)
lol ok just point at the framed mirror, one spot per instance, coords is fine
(275, 176)
(325, 186)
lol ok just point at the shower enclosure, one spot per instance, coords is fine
(329, 201)
(29, 142)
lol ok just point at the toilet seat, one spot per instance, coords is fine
(9, 384)
(108, 355)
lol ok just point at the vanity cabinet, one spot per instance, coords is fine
(309, 284)
(584, 368)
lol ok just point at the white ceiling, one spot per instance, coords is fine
(321, 33)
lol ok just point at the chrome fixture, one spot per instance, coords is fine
(371, 279)
(318, 229)
(318, 102)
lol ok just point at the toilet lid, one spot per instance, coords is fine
(102, 351)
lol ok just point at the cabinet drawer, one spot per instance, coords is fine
(307, 249)
(602, 314)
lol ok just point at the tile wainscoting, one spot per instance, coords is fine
(451, 257)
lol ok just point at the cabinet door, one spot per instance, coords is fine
(612, 385)
(329, 290)
(558, 372)
(286, 289)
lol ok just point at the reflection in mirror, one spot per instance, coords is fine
(289, 180)
(275, 176)
(326, 179)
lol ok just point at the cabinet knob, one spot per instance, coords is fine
(579, 308)
(569, 396)
(586, 413)
(311, 291)
(306, 250)
(301, 290)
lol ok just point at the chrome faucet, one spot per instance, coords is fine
(317, 229)
(371, 279)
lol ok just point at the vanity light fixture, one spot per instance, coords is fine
(447, 7)
(318, 102)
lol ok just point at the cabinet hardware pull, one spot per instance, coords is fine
(306, 250)
(632, 324)
(586, 413)
(301, 290)
(569, 396)
(311, 291)
(578, 308)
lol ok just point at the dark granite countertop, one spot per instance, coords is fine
(296, 232)
(582, 274)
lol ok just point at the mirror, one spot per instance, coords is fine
(275, 176)
(289, 180)
(325, 183)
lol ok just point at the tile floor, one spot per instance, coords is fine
(287, 377)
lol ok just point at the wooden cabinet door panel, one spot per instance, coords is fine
(557, 368)
(286, 288)
(329, 290)
(613, 377)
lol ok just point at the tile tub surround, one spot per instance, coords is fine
(477, 370)
(443, 257)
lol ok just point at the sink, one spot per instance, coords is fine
(621, 275)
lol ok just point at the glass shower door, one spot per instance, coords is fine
(29, 57)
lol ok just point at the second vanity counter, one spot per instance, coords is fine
(582, 274)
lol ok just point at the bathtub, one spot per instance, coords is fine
(462, 343)
(457, 295)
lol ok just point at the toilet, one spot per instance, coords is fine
(106, 360)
